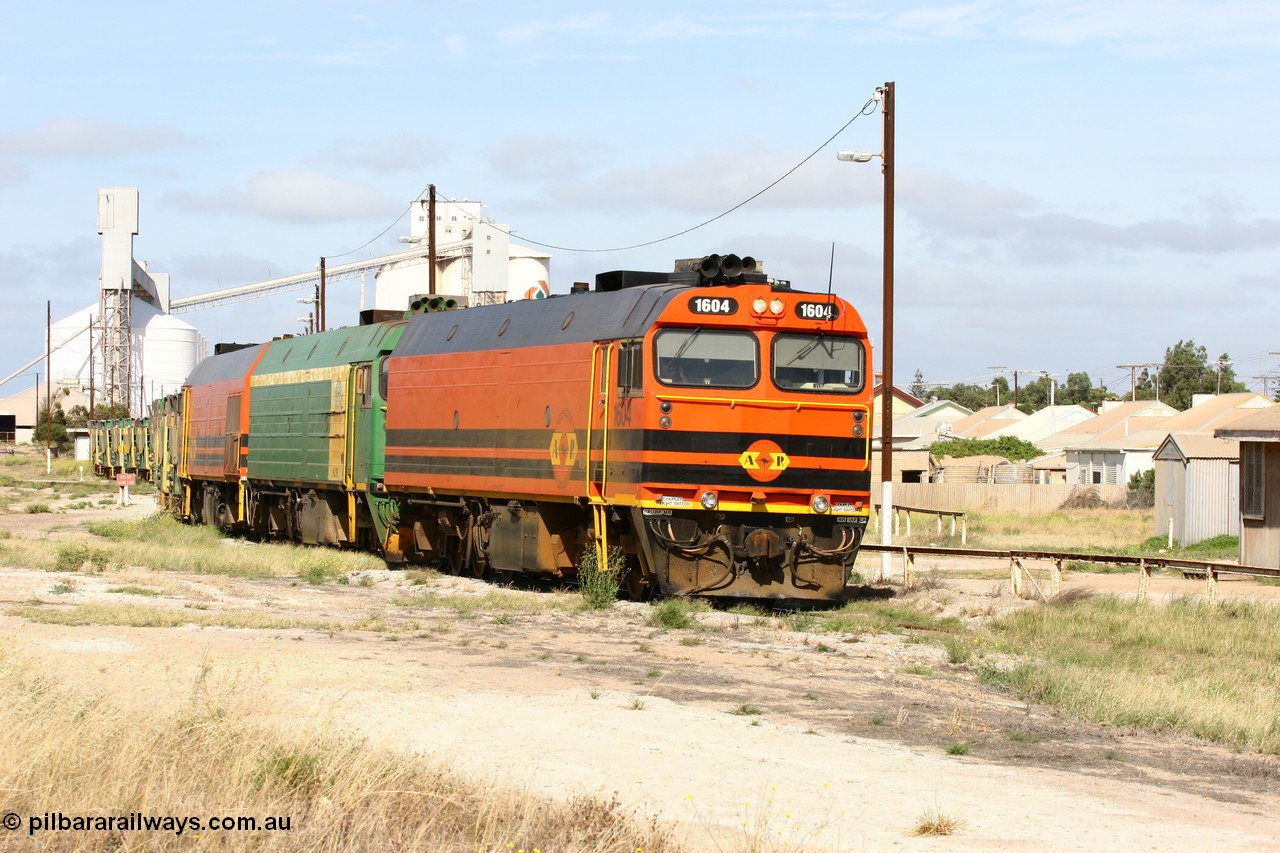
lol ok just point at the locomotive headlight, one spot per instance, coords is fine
(820, 504)
(859, 416)
(858, 430)
(759, 304)
(776, 306)
(710, 500)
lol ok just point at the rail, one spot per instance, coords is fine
(1018, 576)
(908, 510)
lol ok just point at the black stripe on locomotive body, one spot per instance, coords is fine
(630, 473)
(655, 440)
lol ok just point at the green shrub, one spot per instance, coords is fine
(676, 613)
(75, 556)
(599, 587)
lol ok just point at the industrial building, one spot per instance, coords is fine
(128, 347)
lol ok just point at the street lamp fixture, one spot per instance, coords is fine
(884, 95)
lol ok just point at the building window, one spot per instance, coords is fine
(1252, 479)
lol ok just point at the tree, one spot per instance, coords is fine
(1079, 391)
(52, 430)
(1010, 447)
(1185, 372)
(918, 389)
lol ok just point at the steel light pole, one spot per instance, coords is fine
(884, 95)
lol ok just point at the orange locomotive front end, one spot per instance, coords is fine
(711, 424)
(740, 444)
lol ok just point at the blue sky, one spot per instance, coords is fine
(1079, 184)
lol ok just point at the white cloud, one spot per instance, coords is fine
(386, 154)
(291, 196)
(89, 139)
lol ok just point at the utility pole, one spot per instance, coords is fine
(885, 96)
(431, 240)
(1133, 379)
(320, 298)
(48, 377)
(998, 371)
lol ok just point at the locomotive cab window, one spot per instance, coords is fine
(630, 368)
(825, 363)
(382, 377)
(706, 358)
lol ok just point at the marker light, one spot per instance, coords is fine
(820, 504)
(709, 500)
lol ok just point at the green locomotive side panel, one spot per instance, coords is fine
(311, 414)
(298, 426)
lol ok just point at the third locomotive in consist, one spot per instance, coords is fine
(710, 425)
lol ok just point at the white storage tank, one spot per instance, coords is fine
(170, 349)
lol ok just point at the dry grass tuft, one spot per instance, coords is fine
(933, 823)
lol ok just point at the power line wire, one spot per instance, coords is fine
(867, 109)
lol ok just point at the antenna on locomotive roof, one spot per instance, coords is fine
(831, 272)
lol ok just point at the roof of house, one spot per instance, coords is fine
(985, 421)
(1043, 423)
(1050, 462)
(1259, 425)
(920, 427)
(1197, 445)
(898, 392)
(1215, 412)
(1140, 414)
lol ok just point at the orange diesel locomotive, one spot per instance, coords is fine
(709, 425)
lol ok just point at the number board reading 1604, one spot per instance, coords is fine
(817, 310)
(713, 305)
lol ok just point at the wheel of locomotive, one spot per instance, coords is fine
(454, 555)
(635, 582)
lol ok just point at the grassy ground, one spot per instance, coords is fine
(1091, 531)
(213, 755)
(1211, 673)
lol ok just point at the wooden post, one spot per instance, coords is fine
(1015, 577)
(1211, 578)
(908, 567)
(907, 513)
(1055, 577)
(964, 530)
(1144, 580)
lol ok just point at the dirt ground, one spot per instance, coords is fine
(847, 754)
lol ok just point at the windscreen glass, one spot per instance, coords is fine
(821, 362)
(707, 358)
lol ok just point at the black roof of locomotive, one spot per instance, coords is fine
(224, 366)
(570, 319)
